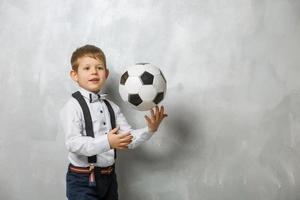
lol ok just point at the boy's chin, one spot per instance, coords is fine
(95, 90)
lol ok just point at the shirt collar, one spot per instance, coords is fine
(91, 96)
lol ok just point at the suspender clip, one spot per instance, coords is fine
(92, 181)
(91, 167)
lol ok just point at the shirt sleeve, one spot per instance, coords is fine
(76, 141)
(139, 135)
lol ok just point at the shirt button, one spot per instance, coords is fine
(104, 123)
(101, 111)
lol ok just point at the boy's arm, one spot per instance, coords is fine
(153, 122)
(139, 135)
(156, 116)
(72, 123)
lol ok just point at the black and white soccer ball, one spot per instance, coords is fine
(143, 86)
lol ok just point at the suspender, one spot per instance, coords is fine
(88, 120)
(112, 120)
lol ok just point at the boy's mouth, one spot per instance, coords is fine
(94, 79)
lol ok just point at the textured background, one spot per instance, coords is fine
(233, 98)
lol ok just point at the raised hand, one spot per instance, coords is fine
(119, 141)
(157, 115)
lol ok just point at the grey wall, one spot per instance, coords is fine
(233, 100)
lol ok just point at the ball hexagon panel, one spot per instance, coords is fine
(159, 83)
(146, 105)
(136, 70)
(147, 92)
(152, 69)
(133, 84)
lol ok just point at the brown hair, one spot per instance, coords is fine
(87, 50)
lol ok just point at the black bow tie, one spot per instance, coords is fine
(96, 97)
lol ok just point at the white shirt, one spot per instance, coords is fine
(79, 145)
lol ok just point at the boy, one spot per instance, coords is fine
(95, 128)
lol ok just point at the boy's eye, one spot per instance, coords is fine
(100, 67)
(86, 68)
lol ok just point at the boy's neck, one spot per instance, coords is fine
(82, 89)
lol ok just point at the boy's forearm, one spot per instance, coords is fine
(139, 137)
(88, 146)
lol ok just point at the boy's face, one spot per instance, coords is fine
(91, 74)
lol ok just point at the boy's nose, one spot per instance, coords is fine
(94, 70)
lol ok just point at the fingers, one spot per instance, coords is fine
(152, 113)
(161, 113)
(123, 143)
(119, 141)
(115, 130)
(156, 113)
(125, 138)
(148, 119)
(124, 135)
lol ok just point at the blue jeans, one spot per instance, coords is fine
(78, 187)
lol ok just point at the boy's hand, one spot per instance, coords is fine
(157, 115)
(119, 141)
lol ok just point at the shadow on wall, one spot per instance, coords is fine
(170, 151)
(166, 155)
(176, 138)
(182, 130)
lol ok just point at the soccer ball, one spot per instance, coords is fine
(143, 86)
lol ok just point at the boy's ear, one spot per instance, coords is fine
(106, 73)
(74, 75)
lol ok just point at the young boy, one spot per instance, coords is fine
(95, 128)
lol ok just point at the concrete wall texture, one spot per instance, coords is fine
(233, 99)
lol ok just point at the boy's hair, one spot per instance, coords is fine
(87, 50)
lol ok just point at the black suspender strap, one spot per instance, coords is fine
(111, 113)
(112, 119)
(87, 119)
